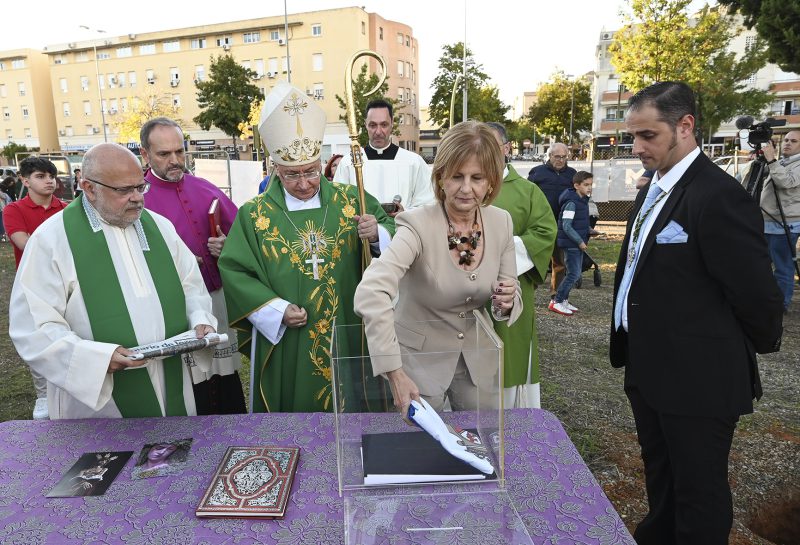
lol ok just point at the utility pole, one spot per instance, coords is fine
(97, 74)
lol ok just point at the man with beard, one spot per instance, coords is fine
(185, 200)
(102, 276)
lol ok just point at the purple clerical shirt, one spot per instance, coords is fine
(185, 204)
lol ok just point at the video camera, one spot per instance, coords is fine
(758, 133)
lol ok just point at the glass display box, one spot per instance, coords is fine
(470, 508)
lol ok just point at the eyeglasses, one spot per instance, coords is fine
(297, 176)
(127, 190)
(559, 157)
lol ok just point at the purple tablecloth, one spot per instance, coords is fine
(557, 497)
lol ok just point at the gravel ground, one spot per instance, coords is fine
(585, 392)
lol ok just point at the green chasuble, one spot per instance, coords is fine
(270, 253)
(534, 223)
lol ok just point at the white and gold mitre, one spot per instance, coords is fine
(291, 126)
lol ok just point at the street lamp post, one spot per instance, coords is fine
(97, 74)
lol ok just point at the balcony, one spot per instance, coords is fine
(614, 96)
(612, 125)
(782, 88)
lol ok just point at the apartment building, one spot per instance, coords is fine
(26, 100)
(609, 99)
(94, 82)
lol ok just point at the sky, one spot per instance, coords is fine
(519, 45)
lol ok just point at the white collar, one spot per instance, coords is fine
(380, 150)
(676, 172)
(293, 203)
(96, 222)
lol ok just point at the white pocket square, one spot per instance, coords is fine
(673, 233)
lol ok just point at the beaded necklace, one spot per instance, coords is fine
(466, 245)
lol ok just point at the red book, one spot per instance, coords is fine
(213, 217)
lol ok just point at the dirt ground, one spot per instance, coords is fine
(585, 392)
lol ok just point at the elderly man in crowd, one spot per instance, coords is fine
(553, 178)
(101, 277)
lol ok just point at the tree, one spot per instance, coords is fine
(226, 96)
(554, 107)
(661, 42)
(361, 85)
(143, 108)
(11, 150)
(778, 23)
(483, 103)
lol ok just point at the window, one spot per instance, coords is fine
(150, 75)
(59, 59)
(147, 49)
(132, 79)
(224, 40)
(613, 85)
(319, 91)
(87, 107)
(69, 130)
(408, 40)
(62, 84)
(749, 41)
(174, 76)
(284, 64)
(316, 62)
(751, 80)
(112, 81)
(363, 27)
(125, 51)
(21, 88)
(104, 106)
(65, 109)
(400, 38)
(3, 92)
(400, 66)
(198, 43)
(273, 65)
(615, 113)
(258, 67)
(199, 73)
(400, 92)
(90, 129)
(85, 83)
(316, 30)
(101, 81)
(380, 33)
(6, 113)
(408, 72)
(25, 112)
(251, 37)
(121, 79)
(27, 132)
(245, 64)
(176, 101)
(2, 65)
(123, 104)
(402, 119)
(172, 46)
(81, 56)
(102, 55)
(274, 35)
(9, 134)
(18, 63)
(113, 107)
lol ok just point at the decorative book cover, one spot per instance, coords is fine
(213, 216)
(251, 482)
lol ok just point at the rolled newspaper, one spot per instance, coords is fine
(179, 344)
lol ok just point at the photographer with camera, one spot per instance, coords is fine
(782, 230)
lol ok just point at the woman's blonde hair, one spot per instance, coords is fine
(461, 142)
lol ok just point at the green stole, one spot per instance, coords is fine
(109, 319)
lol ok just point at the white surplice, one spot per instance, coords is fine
(50, 327)
(406, 175)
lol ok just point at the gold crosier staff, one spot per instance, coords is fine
(352, 127)
(453, 101)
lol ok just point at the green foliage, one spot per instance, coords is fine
(226, 96)
(150, 104)
(10, 151)
(660, 42)
(361, 85)
(778, 23)
(554, 106)
(483, 103)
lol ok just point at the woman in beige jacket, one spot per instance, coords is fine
(445, 260)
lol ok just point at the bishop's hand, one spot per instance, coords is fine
(367, 227)
(295, 316)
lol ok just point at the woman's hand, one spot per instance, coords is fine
(403, 390)
(503, 298)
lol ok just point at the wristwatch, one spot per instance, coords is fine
(773, 161)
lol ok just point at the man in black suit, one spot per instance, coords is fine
(694, 301)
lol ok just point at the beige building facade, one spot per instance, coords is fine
(91, 94)
(26, 100)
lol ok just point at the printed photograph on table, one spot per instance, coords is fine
(160, 459)
(91, 475)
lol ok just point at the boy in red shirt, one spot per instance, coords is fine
(21, 218)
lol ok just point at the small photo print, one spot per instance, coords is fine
(163, 458)
(91, 475)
